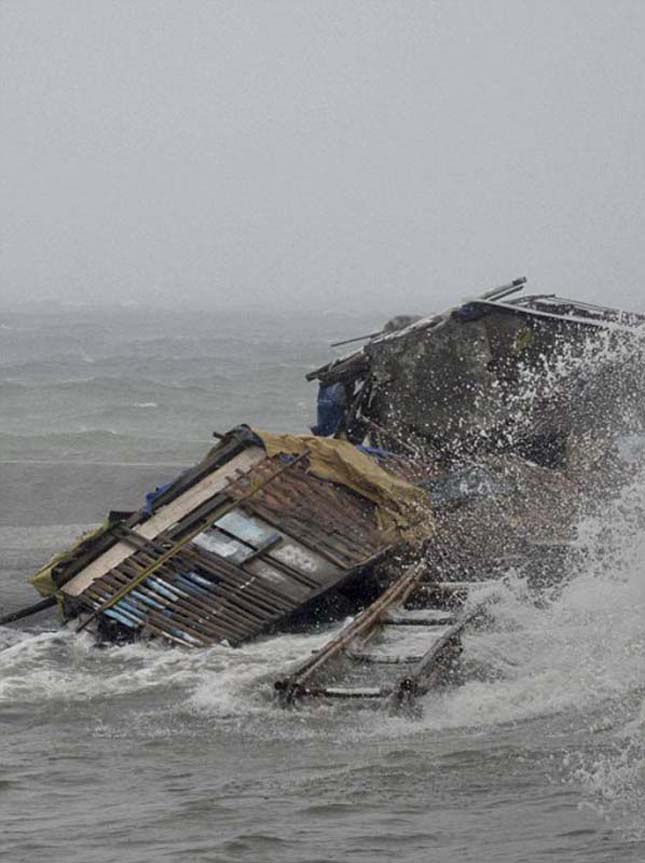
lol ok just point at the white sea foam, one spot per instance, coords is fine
(585, 648)
(574, 667)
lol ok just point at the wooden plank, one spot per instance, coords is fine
(381, 658)
(348, 692)
(239, 588)
(180, 543)
(165, 518)
(252, 583)
(293, 686)
(419, 679)
(183, 617)
(94, 599)
(226, 627)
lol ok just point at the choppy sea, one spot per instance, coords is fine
(144, 753)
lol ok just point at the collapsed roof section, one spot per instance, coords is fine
(257, 532)
(493, 373)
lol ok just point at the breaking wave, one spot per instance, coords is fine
(563, 681)
(572, 667)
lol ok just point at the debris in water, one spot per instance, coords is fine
(446, 449)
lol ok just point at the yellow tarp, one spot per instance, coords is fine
(402, 508)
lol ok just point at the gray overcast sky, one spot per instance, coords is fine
(321, 153)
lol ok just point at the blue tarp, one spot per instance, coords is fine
(332, 402)
(152, 496)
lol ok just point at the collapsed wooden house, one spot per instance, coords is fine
(447, 449)
(263, 530)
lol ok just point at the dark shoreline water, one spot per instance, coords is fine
(146, 753)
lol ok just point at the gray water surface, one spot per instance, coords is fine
(146, 753)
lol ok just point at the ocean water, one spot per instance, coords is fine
(147, 753)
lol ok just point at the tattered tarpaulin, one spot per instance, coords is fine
(402, 508)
